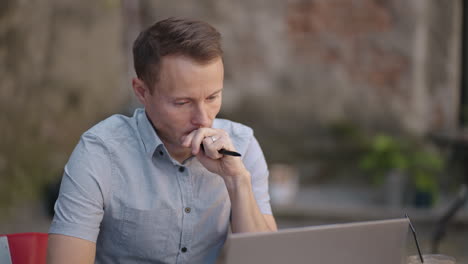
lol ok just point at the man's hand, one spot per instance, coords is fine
(246, 216)
(228, 167)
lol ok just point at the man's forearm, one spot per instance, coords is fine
(246, 216)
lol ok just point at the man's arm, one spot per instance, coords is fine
(79, 208)
(67, 249)
(271, 222)
(246, 214)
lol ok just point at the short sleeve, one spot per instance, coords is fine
(79, 208)
(255, 163)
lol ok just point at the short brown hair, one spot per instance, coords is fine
(173, 36)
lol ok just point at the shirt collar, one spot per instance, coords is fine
(149, 137)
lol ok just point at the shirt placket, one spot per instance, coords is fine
(184, 176)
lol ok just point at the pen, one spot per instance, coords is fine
(229, 153)
(225, 152)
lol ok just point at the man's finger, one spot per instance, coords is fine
(211, 148)
(187, 140)
(199, 136)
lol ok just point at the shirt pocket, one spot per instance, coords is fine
(146, 233)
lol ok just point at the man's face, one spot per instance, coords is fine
(187, 96)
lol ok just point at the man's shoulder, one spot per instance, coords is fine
(112, 128)
(240, 134)
(233, 128)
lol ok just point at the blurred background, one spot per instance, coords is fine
(361, 106)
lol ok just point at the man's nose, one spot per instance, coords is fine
(200, 117)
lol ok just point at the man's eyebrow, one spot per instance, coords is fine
(216, 92)
(189, 98)
(181, 98)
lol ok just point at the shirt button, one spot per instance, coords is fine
(181, 169)
(188, 210)
(184, 249)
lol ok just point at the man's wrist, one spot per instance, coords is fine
(238, 182)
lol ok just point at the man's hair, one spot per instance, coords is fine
(196, 40)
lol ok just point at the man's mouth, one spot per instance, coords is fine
(189, 131)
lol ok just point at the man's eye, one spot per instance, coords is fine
(181, 103)
(211, 98)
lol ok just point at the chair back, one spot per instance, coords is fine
(25, 248)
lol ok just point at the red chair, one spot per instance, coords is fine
(27, 248)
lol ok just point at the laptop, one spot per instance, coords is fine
(372, 242)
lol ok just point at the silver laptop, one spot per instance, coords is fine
(373, 242)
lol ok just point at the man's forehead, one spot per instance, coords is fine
(189, 93)
(183, 60)
(180, 72)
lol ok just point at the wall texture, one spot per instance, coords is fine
(61, 70)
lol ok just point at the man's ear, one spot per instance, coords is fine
(140, 90)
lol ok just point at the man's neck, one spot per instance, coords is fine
(178, 153)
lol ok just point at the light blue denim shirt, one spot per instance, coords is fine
(122, 190)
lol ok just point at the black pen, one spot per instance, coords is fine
(225, 152)
(229, 153)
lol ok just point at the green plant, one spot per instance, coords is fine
(383, 154)
(416, 159)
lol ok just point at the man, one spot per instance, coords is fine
(154, 188)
